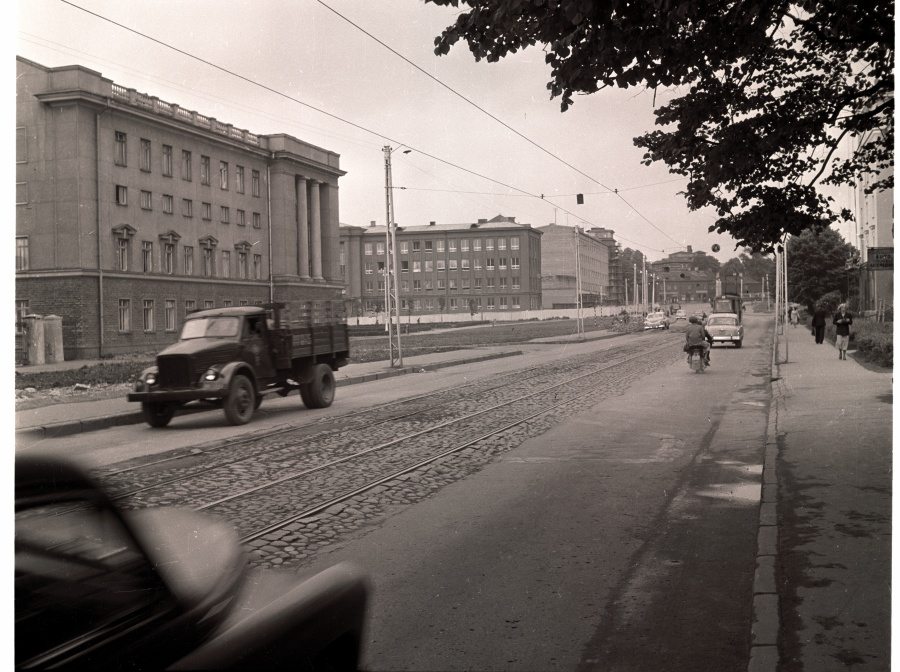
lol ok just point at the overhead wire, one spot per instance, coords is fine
(281, 94)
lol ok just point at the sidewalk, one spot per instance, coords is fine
(823, 584)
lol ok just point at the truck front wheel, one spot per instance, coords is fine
(158, 414)
(319, 393)
(240, 402)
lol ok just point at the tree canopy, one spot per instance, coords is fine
(817, 264)
(766, 91)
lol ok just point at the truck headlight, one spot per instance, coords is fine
(210, 376)
(150, 379)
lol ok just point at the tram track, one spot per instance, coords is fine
(293, 496)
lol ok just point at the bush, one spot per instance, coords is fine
(874, 341)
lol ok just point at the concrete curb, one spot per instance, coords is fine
(70, 427)
(764, 631)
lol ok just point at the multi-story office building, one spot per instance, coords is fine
(571, 256)
(491, 265)
(680, 277)
(875, 231)
(132, 212)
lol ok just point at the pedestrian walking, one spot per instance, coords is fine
(818, 324)
(842, 321)
(795, 317)
(790, 314)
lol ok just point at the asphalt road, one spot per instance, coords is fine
(622, 539)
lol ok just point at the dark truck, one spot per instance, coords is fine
(233, 357)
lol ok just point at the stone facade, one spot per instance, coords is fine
(131, 211)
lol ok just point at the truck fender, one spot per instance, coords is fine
(232, 369)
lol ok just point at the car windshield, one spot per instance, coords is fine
(723, 321)
(211, 327)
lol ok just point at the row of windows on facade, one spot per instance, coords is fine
(476, 304)
(451, 245)
(187, 207)
(148, 312)
(167, 168)
(464, 284)
(430, 266)
(208, 261)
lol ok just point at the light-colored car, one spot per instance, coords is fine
(656, 321)
(725, 328)
(680, 315)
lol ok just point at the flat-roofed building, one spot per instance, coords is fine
(132, 211)
(489, 265)
(571, 255)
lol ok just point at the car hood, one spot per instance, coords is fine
(197, 555)
(194, 345)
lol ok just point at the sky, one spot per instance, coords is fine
(483, 139)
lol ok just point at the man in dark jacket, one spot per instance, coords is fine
(842, 321)
(696, 336)
(818, 324)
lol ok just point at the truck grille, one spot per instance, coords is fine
(176, 371)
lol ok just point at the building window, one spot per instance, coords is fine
(147, 256)
(490, 283)
(369, 286)
(452, 284)
(187, 207)
(225, 214)
(477, 284)
(515, 282)
(501, 243)
(488, 244)
(223, 175)
(464, 245)
(380, 265)
(515, 302)
(417, 246)
(451, 246)
(121, 195)
(145, 155)
(466, 283)
(256, 220)
(204, 169)
(502, 265)
(254, 182)
(477, 264)
(22, 262)
(206, 209)
(167, 160)
(168, 204)
(404, 286)
(188, 260)
(367, 249)
(241, 218)
(21, 312)
(441, 284)
(428, 246)
(185, 165)
(503, 284)
(514, 243)
(404, 266)
(429, 266)
(490, 303)
(257, 266)
(451, 265)
(208, 259)
(454, 303)
(124, 314)
(170, 314)
(379, 249)
(417, 266)
(122, 253)
(369, 268)
(514, 262)
(227, 303)
(207, 304)
(417, 285)
(489, 263)
(476, 245)
(243, 302)
(147, 200)
(169, 258)
(464, 264)
(242, 265)
(121, 149)
(429, 285)
(503, 305)
(189, 306)
(148, 315)
(404, 247)
(440, 264)
(226, 264)
(239, 179)
(440, 246)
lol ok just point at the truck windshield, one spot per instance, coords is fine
(211, 327)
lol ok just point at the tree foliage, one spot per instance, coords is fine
(766, 92)
(817, 264)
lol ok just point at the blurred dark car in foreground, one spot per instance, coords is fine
(101, 588)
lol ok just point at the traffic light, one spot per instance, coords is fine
(716, 248)
(579, 198)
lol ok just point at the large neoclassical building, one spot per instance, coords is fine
(132, 212)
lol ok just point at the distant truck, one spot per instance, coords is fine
(237, 356)
(729, 303)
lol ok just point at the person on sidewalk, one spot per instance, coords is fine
(795, 317)
(818, 324)
(842, 321)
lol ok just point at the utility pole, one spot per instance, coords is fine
(580, 320)
(392, 284)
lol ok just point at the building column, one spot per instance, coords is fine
(316, 224)
(302, 219)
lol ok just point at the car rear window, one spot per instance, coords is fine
(723, 321)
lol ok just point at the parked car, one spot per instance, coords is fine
(725, 328)
(680, 315)
(101, 588)
(656, 321)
